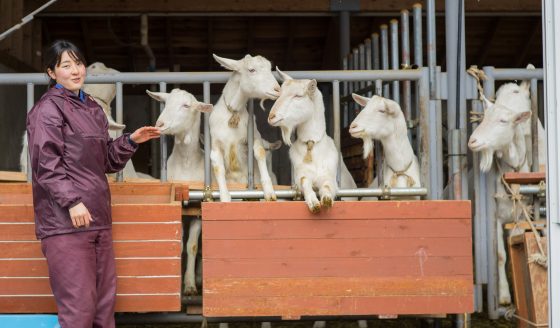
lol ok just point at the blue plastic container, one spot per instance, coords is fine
(28, 321)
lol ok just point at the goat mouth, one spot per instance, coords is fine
(272, 96)
(275, 122)
(356, 133)
(477, 147)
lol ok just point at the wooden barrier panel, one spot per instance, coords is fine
(358, 258)
(147, 233)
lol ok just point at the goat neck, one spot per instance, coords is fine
(397, 149)
(313, 129)
(515, 154)
(234, 98)
(186, 142)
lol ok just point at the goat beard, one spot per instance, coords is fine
(286, 135)
(486, 158)
(368, 146)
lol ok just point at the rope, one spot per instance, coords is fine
(510, 314)
(234, 119)
(397, 174)
(478, 75)
(308, 158)
(516, 197)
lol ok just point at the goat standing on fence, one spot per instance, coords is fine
(251, 78)
(382, 119)
(506, 132)
(313, 154)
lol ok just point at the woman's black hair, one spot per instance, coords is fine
(53, 55)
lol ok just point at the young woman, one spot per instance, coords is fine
(70, 153)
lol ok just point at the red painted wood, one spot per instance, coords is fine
(525, 177)
(396, 210)
(338, 267)
(329, 248)
(334, 229)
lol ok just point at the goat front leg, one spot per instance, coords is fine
(266, 182)
(309, 195)
(192, 249)
(504, 295)
(219, 168)
(327, 191)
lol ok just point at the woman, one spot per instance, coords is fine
(70, 153)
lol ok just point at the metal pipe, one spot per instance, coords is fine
(491, 220)
(197, 195)
(531, 190)
(345, 92)
(368, 57)
(362, 64)
(395, 57)
(356, 58)
(384, 55)
(163, 141)
(417, 32)
(405, 60)
(216, 77)
(350, 90)
(119, 116)
(535, 141)
(144, 42)
(250, 142)
(517, 74)
(154, 153)
(30, 103)
(427, 133)
(376, 62)
(344, 34)
(207, 140)
(336, 125)
(24, 20)
(431, 45)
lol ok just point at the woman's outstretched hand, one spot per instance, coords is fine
(144, 134)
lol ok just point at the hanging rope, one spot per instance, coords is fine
(510, 314)
(479, 76)
(517, 200)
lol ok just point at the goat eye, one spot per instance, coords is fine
(503, 121)
(252, 70)
(515, 91)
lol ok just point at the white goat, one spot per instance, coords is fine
(505, 131)
(314, 156)
(382, 119)
(181, 118)
(251, 78)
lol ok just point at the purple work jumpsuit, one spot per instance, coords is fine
(70, 153)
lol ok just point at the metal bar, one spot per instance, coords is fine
(395, 58)
(217, 77)
(25, 20)
(344, 34)
(376, 61)
(427, 133)
(368, 60)
(197, 195)
(207, 140)
(163, 141)
(530, 189)
(362, 64)
(119, 116)
(405, 60)
(384, 55)
(431, 45)
(491, 220)
(517, 74)
(336, 125)
(356, 85)
(535, 141)
(30, 103)
(417, 32)
(351, 89)
(250, 141)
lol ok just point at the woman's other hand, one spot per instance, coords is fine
(80, 216)
(144, 134)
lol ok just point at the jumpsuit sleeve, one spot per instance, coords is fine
(119, 151)
(46, 146)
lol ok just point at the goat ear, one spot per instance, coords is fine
(114, 126)
(361, 100)
(159, 96)
(486, 103)
(283, 76)
(391, 106)
(312, 88)
(231, 64)
(204, 107)
(522, 117)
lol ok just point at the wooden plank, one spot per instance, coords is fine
(16, 213)
(125, 285)
(294, 307)
(146, 212)
(518, 263)
(125, 267)
(123, 249)
(351, 210)
(330, 248)
(537, 300)
(335, 287)
(12, 176)
(125, 303)
(338, 267)
(539, 225)
(525, 177)
(335, 229)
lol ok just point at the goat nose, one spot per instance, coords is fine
(472, 141)
(271, 116)
(353, 126)
(159, 124)
(277, 88)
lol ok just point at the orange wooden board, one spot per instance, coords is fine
(525, 177)
(358, 258)
(147, 233)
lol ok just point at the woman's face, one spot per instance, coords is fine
(70, 73)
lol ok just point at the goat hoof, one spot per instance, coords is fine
(271, 197)
(190, 291)
(327, 202)
(505, 300)
(315, 208)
